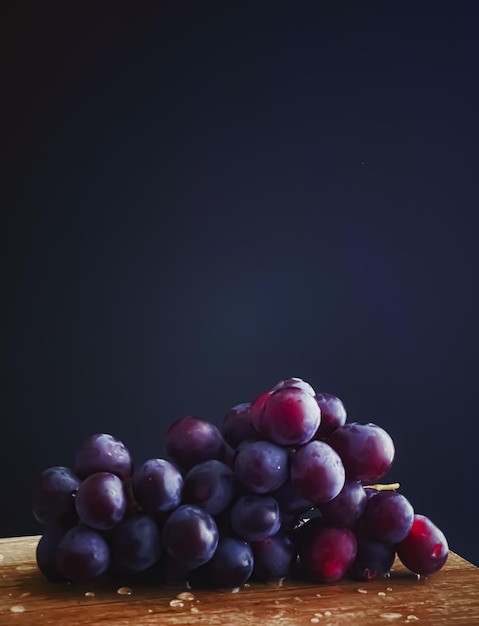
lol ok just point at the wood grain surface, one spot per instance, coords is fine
(447, 598)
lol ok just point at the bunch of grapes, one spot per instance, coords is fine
(286, 488)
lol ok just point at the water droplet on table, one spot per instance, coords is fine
(186, 595)
(90, 594)
(176, 603)
(390, 615)
(17, 608)
(124, 591)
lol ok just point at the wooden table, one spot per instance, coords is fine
(447, 598)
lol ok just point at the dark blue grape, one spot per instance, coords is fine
(54, 497)
(346, 508)
(255, 517)
(191, 440)
(103, 453)
(211, 485)
(373, 559)
(230, 567)
(101, 501)
(157, 485)
(333, 414)
(190, 535)
(136, 543)
(261, 466)
(388, 517)
(237, 425)
(82, 554)
(46, 554)
(274, 557)
(317, 472)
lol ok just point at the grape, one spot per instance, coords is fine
(317, 472)
(136, 543)
(297, 383)
(157, 485)
(346, 508)
(274, 557)
(230, 566)
(101, 501)
(326, 553)
(82, 554)
(237, 425)
(373, 559)
(280, 490)
(367, 451)
(425, 549)
(211, 485)
(103, 453)
(261, 466)
(388, 517)
(333, 414)
(255, 517)
(191, 440)
(257, 410)
(54, 497)
(290, 500)
(46, 553)
(290, 416)
(190, 535)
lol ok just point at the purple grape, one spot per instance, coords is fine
(54, 497)
(274, 557)
(190, 535)
(191, 440)
(157, 486)
(103, 453)
(261, 466)
(255, 517)
(317, 472)
(346, 508)
(237, 425)
(257, 410)
(82, 554)
(290, 416)
(373, 559)
(388, 518)
(211, 485)
(425, 549)
(136, 543)
(367, 451)
(297, 383)
(46, 554)
(229, 568)
(326, 553)
(333, 414)
(101, 501)
(290, 500)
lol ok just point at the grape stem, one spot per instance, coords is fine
(381, 487)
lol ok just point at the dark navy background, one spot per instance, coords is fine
(202, 198)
